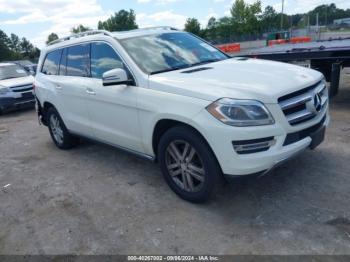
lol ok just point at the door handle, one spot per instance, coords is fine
(90, 91)
(58, 87)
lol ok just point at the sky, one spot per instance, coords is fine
(36, 19)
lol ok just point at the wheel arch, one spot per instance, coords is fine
(45, 108)
(163, 125)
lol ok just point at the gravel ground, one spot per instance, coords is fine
(97, 200)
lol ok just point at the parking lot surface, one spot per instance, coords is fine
(97, 200)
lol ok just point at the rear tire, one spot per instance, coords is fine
(58, 131)
(188, 164)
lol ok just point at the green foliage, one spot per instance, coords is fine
(193, 26)
(247, 20)
(121, 21)
(51, 37)
(5, 52)
(79, 29)
(245, 16)
(14, 48)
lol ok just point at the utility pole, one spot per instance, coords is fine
(282, 14)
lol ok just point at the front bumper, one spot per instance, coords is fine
(220, 138)
(8, 103)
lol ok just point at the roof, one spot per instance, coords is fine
(143, 32)
(117, 35)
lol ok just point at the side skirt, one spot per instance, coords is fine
(127, 150)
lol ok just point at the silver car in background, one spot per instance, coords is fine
(16, 87)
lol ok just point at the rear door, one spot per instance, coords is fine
(74, 74)
(113, 109)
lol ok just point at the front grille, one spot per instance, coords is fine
(305, 104)
(22, 88)
(300, 135)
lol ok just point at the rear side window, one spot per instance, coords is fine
(103, 59)
(51, 63)
(78, 60)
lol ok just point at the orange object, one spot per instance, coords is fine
(300, 39)
(278, 42)
(230, 48)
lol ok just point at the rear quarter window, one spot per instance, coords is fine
(51, 63)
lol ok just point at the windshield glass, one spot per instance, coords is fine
(170, 51)
(12, 71)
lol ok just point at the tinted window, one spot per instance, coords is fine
(103, 59)
(78, 60)
(63, 64)
(51, 63)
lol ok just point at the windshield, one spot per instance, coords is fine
(170, 51)
(12, 71)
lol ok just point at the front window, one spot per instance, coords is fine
(12, 71)
(170, 51)
(103, 59)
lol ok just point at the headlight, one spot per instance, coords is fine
(241, 112)
(3, 90)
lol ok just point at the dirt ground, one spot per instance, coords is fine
(97, 200)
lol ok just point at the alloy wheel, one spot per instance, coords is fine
(56, 129)
(185, 166)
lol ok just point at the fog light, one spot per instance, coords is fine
(253, 146)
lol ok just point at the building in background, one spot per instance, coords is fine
(342, 21)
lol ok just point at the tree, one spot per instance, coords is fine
(193, 26)
(245, 17)
(121, 21)
(5, 52)
(15, 43)
(26, 47)
(270, 20)
(210, 31)
(79, 29)
(51, 37)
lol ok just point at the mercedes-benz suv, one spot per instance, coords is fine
(171, 97)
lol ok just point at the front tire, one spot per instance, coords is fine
(58, 131)
(188, 164)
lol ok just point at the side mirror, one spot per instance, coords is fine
(116, 76)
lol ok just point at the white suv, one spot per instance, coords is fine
(171, 97)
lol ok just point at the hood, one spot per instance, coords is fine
(26, 80)
(238, 78)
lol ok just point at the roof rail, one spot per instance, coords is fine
(82, 34)
(150, 28)
(160, 27)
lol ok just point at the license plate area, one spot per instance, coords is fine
(27, 95)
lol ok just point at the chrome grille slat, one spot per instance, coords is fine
(295, 101)
(21, 88)
(300, 116)
(324, 101)
(304, 105)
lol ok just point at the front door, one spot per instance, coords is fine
(112, 109)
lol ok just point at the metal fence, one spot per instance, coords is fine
(315, 32)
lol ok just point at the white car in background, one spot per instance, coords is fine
(171, 97)
(16, 87)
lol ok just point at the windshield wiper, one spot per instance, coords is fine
(170, 69)
(206, 62)
(186, 66)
